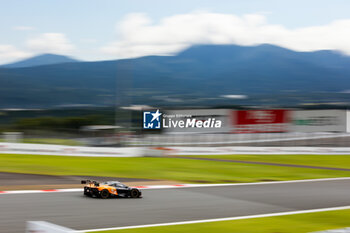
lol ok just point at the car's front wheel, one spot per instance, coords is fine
(134, 193)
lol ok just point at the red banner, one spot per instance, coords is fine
(260, 121)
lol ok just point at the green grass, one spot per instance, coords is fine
(299, 223)
(337, 161)
(184, 170)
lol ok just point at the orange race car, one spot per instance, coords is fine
(109, 189)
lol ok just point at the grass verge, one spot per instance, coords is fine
(184, 170)
(300, 223)
(337, 161)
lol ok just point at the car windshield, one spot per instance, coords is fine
(119, 185)
(115, 184)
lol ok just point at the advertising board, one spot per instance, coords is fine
(318, 121)
(260, 121)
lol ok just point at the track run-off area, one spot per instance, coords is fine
(70, 208)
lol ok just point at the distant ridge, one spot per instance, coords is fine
(265, 73)
(43, 59)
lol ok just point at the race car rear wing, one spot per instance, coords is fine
(90, 182)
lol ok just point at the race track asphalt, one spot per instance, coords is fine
(169, 205)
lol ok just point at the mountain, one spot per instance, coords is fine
(267, 74)
(40, 60)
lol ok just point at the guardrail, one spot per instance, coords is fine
(262, 139)
(45, 149)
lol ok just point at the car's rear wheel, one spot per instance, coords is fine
(104, 194)
(134, 193)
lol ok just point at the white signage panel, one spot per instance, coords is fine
(318, 121)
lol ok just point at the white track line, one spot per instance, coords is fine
(220, 219)
(178, 186)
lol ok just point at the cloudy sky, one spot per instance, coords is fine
(114, 29)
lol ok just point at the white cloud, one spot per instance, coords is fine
(23, 28)
(50, 43)
(9, 53)
(42, 43)
(88, 40)
(139, 36)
